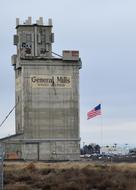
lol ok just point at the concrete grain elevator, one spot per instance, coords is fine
(47, 96)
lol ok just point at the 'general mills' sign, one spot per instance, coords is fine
(47, 81)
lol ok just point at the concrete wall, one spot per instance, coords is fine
(49, 113)
(46, 150)
(47, 95)
(51, 150)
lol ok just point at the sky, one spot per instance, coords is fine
(104, 31)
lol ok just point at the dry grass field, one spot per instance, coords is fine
(69, 176)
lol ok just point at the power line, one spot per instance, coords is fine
(8, 115)
(56, 54)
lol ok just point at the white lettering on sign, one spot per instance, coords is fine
(47, 81)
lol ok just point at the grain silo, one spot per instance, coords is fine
(47, 96)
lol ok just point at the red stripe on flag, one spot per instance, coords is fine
(93, 113)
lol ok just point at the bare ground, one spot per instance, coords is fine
(69, 176)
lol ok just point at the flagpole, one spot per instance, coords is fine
(101, 125)
(101, 129)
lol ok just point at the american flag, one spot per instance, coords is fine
(94, 112)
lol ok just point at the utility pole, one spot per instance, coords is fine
(1, 165)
